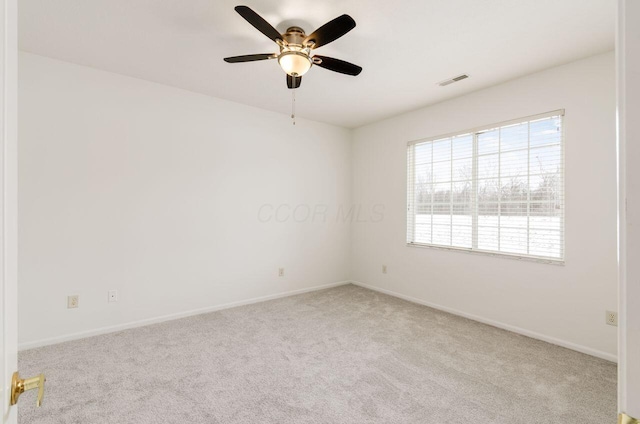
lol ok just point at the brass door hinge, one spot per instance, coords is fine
(625, 419)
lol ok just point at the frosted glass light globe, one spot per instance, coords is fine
(294, 63)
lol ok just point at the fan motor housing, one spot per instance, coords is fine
(294, 55)
(294, 35)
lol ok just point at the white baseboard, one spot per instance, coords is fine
(178, 315)
(514, 329)
(149, 321)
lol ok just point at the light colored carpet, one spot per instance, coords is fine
(342, 355)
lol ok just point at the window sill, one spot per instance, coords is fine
(511, 256)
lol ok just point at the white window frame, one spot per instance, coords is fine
(411, 210)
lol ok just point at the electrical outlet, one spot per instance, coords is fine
(611, 318)
(384, 269)
(113, 295)
(72, 301)
(280, 272)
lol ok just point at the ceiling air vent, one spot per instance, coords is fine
(452, 80)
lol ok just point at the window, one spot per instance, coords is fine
(499, 189)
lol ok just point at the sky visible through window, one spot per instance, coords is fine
(507, 197)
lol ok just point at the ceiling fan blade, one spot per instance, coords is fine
(258, 22)
(331, 31)
(336, 65)
(293, 82)
(250, 57)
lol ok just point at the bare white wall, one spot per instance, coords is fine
(157, 192)
(564, 304)
(163, 194)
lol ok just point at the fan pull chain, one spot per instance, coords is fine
(293, 106)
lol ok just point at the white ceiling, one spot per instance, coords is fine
(405, 47)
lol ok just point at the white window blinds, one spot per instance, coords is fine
(499, 189)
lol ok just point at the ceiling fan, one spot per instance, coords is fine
(295, 46)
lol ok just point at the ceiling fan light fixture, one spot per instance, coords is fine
(294, 63)
(295, 57)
